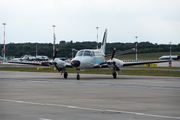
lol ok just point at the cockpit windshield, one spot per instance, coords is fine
(87, 53)
(80, 53)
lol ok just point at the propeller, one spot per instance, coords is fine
(55, 54)
(109, 62)
(55, 63)
(114, 63)
(57, 67)
(52, 62)
(113, 53)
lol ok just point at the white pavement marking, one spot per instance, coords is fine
(82, 108)
(44, 119)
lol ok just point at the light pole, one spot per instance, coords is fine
(72, 53)
(97, 36)
(54, 40)
(36, 49)
(170, 55)
(136, 47)
(4, 44)
(170, 50)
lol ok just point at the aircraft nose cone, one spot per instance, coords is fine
(75, 63)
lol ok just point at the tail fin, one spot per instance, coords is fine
(103, 45)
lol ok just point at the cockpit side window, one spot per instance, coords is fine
(98, 53)
(87, 53)
(80, 53)
(93, 54)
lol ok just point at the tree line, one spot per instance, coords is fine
(65, 49)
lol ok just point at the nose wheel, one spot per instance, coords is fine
(78, 76)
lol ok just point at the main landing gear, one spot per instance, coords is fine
(62, 71)
(114, 73)
(65, 74)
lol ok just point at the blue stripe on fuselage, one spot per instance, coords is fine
(97, 61)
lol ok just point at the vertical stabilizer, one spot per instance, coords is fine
(103, 45)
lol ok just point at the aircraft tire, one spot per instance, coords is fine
(65, 74)
(78, 77)
(114, 75)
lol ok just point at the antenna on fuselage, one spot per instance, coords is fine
(97, 36)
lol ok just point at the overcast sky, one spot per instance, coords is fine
(156, 21)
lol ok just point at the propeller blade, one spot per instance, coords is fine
(114, 63)
(113, 53)
(55, 54)
(57, 67)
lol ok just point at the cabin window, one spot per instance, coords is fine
(98, 53)
(93, 54)
(87, 53)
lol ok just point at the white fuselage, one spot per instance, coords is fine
(89, 58)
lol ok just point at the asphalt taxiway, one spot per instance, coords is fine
(48, 96)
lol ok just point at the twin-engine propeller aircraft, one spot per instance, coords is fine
(92, 58)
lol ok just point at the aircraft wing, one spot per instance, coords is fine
(147, 62)
(41, 64)
(109, 64)
(101, 66)
(68, 65)
(120, 53)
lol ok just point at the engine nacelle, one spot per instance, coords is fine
(61, 64)
(58, 63)
(118, 62)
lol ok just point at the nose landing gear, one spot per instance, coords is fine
(78, 76)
